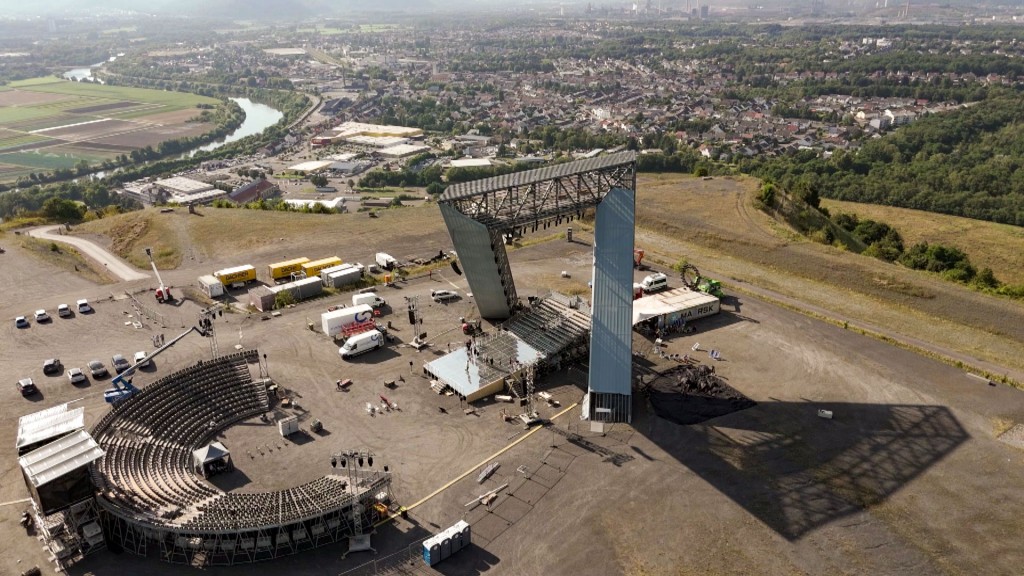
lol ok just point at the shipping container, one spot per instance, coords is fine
(334, 322)
(236, 275)
(313, 268)
(302, 289)
(338, 276)
(211, 285)
(285, 269)
(262, 298)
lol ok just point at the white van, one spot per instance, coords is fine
(654, 283)
(368, 298)
(361, 343)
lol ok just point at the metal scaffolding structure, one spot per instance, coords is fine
(481, 215)
(242, 545)
(528, 198)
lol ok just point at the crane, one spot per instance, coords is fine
(122, 388)
(163, 293)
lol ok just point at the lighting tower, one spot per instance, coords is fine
(355, 461)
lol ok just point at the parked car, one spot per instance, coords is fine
(120, 363)
(97, 369)
(443, 295)
(52, 366)
(27, 387)
(21, 322)
(64, 311)
(83, 306)
(42, 316)
(140, 359)
(75, 376)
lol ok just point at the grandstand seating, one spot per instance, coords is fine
(552, 324)
(149, 439)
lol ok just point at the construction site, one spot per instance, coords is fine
(561, 427)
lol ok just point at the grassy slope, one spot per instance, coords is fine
(65, 257)
(997, 246)
(260, 237)
(713, 224)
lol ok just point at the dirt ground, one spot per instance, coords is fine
(908, 477)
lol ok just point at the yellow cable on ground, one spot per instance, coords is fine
(470, 471)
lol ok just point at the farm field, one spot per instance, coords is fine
(50, 123)
(997, 246)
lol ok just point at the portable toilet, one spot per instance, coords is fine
(456, 537)
(464, 530)
(446, 545)
(431, 551)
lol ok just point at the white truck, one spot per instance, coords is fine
(361, 343)
(386, 261)
(654, 283)
(334, 322)
(368, 298)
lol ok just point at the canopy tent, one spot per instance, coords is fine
(211, 459)
(38, 428)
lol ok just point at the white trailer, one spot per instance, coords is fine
(386, 261)
(338, 276)
(334, 322)
(211, 285)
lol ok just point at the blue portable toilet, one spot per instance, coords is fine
(431, 551)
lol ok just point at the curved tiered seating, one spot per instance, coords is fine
(149, 440)
(147, 482)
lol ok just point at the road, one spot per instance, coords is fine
(114, 265)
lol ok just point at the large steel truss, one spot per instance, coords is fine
(514, 200)
(198, 548)
(481, 213)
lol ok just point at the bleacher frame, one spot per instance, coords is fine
(150, 495)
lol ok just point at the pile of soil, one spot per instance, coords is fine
(691, 394)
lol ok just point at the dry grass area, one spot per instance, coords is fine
(714, 225)
(65, 257)
(228, 236)
(997, 246)
(130, 234)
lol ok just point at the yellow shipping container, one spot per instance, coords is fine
(238, 274)
(313, 268)
(286, 268)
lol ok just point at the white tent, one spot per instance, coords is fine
(212, 457)
(36, 428)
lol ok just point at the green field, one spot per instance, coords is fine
(41, 160)
(171, 100)
(49, 102)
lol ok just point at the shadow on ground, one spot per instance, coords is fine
(796, 471)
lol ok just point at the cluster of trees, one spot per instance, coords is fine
(65, 202)
(277, 205)
(966, 163)
(409, 176)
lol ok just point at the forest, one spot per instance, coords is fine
(966, 163)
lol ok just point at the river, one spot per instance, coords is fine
(258, 117)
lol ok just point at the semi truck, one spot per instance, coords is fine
(335, 322)
(313, 268)
(285, 269)
(237, 275)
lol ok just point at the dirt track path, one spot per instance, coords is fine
(111, 263)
